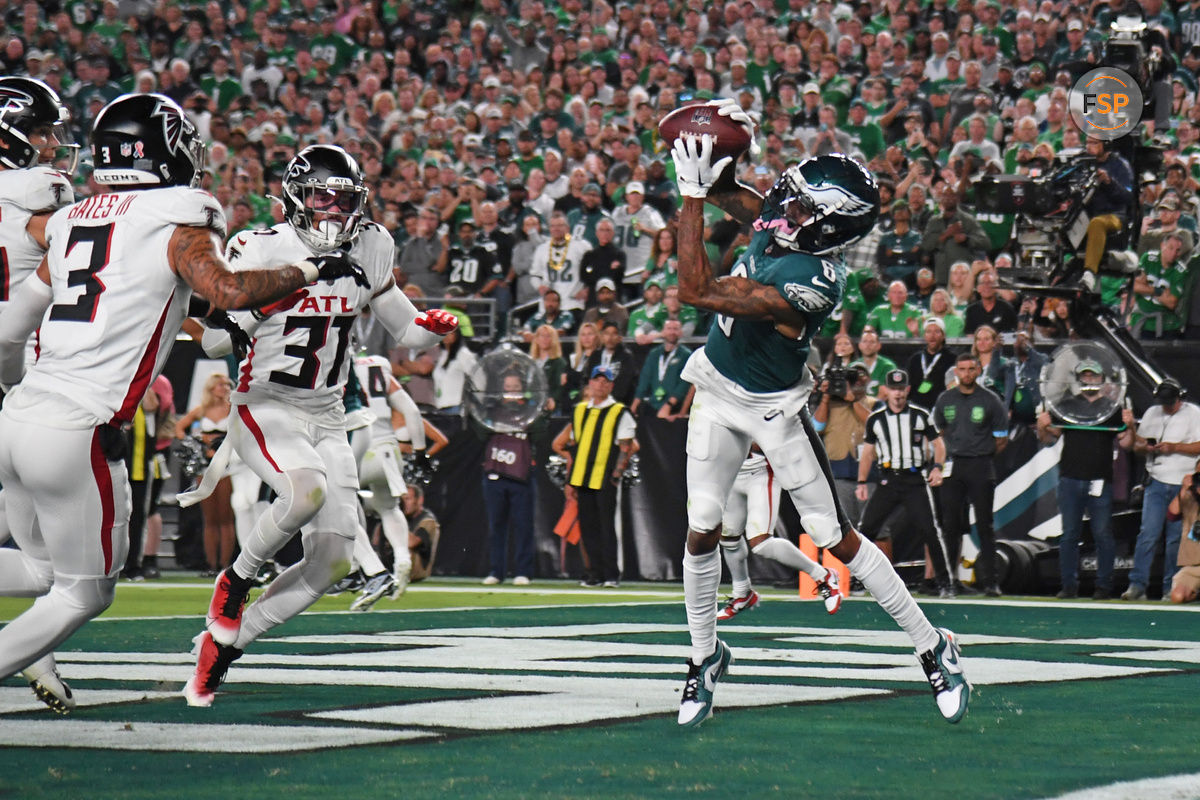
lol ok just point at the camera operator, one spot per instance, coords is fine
(1108, 206)
(841, 419)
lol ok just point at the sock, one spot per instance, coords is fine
(395, 530)
(262, 543)
(881, 580)
(737, 554)
(701, 580)
(286, 597)
(789, 555)
(365, 556)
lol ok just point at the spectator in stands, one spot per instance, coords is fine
(583, 219)
(660, 389)
(923, 294)
(960, 287)
(877, 366)
(606, 308)
(607, 260)
(637, 224)
(900, 249)
(990, 309)
(551, 315)
(663, 263)
(613, 354)
(646, 323)
(952, 236)
(897, 318)
(928, 368)
(1164, 221)
(1169, 437)
(586, 342)
(1027, 369)
(524, 288)
(422, 253)
(546, 350)
(557, 264)
(1159, 286)
(688, 316)
(995, 371)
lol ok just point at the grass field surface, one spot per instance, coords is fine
(457, 690)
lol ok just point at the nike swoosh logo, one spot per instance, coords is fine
(710, 676)
(772, 415)
(952, 659)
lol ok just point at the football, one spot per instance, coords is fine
(730, 137)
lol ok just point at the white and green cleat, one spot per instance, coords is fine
(943, 668)
(697, 703)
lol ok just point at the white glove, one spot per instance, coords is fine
(728, 107)
(693, 173)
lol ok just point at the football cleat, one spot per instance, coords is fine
(52, 690)
(351, 583)
(377, 586)
(225, 610)
(697, 703)
(943, 668)
(212, 662)
(736, 605)
(830, 590)
(521, 580)
(402, 576)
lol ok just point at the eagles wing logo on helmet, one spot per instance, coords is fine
(172, 125)
(829, 197)
(14, 100)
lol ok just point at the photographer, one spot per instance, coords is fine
(841, 419)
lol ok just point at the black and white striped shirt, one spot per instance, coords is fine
(899, 439)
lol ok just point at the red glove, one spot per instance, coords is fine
(437, 321)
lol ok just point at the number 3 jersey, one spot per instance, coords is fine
(23, 194)
(753, 353)
(300, 354)
(116, 306)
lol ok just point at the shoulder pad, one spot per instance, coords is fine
(182, 205)
(46, 190)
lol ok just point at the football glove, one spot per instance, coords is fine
(241, 341)
(437, 321)
(728, 107)
(694, 174)
(331, 266)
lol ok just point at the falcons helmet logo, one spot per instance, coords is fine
(172, 122)
(14, 100)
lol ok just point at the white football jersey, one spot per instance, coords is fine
(24, 193)
(559, 268)
(635, 243)
(116, 303)
(301, 356)
(375, 377)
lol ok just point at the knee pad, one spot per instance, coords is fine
(704, 513)
(91, 596)
(823, 529)
(305, 495)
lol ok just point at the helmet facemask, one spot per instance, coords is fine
(326, 214)
(796, 210)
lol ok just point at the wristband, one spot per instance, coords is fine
(939, 466)
(862, 483)
(309, 271)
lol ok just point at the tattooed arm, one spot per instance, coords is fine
(195, 255)
(735, 199)
(731, 295)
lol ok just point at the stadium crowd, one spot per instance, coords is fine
(511, 150)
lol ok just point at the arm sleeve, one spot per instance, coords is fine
(397, 313)
(20, 319)
(402, 402)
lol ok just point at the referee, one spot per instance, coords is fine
(897, 434)
(974, 422)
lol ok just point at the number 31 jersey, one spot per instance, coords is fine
(116, 303)
(300, 354)
(752, 353)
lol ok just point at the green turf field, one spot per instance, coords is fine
(460, 691)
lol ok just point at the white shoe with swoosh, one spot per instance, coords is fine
(943, 668)
(697, 703)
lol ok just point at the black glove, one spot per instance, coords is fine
(337, 264)
(241, 341)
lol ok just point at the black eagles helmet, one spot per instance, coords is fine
(324, 179)
(146, 140)
(28, 108)
(821, 204)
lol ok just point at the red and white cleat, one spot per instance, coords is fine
(736, 605)
(212, 662)
(830, 590)
(224, 619)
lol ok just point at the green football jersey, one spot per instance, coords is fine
(752, 353)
